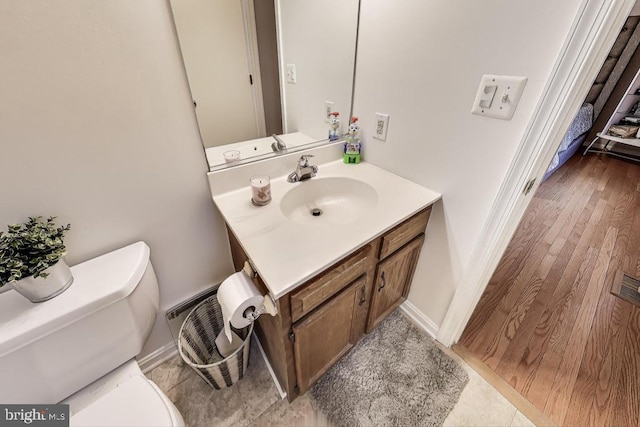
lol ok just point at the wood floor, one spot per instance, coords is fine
(547, 323)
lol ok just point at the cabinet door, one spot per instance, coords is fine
(324, 336)
(393, 278)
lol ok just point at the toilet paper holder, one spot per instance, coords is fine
(249, 269)
(252, 315)
(269, 305)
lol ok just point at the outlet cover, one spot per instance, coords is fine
(381, 124)
(328, 109)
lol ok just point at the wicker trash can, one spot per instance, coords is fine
(197, 347)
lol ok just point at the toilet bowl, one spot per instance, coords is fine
(79, 348)
(123, 397)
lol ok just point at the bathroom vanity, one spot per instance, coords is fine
(335, 277)
(323, 318)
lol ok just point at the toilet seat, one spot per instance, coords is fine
(137, 402)
(123, 397)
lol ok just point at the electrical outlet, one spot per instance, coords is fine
(328, 109)
(291, 74)
(382, 125)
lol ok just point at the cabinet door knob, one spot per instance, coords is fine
(363, 297)
(383, 282)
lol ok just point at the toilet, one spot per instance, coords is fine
(79, 348)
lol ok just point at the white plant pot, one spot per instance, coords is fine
(39, 289)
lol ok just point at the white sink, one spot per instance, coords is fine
(329, 201)
(285, 242)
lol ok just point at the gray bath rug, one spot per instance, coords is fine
(395, 376)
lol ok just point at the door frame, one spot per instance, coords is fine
(253, 60)
(588, 42)
(281, 67)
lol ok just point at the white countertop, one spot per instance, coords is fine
(286, 253)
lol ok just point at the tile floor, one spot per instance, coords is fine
(480, 404)
(254, 401)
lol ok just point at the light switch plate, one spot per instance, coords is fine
(382, 125)
(291, 74)
(506, 97)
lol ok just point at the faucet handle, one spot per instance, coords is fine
(304, 160)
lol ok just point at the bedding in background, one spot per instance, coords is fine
(581, 124)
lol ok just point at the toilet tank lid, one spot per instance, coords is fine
(97, 283)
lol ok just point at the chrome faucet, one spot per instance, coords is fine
(304, 170)
(278, 145)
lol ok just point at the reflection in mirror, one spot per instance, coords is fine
(258, 68)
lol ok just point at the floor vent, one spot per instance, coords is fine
(626, 287)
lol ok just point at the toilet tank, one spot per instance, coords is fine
(52, 349)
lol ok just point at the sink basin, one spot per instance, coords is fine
(330, 201)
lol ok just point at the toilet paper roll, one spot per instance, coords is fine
(237, 294)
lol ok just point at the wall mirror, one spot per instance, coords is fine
(258, 68)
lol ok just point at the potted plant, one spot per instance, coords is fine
(31, 259)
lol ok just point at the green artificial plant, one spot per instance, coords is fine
(29, 248)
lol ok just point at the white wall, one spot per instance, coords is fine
(319, 38)
(421, 62)
(97, 128)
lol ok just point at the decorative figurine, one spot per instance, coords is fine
(334, 123)
(352, 144)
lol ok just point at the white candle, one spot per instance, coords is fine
(231, 156)
(260, 190)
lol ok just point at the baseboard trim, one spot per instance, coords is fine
(419, 318)
(158, 357)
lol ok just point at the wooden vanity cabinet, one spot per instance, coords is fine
(322, 319)
(393, 279)
(399, 251)
(323, 337)
(328, 283)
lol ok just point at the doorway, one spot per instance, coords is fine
(594, 30)
(547, 323)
